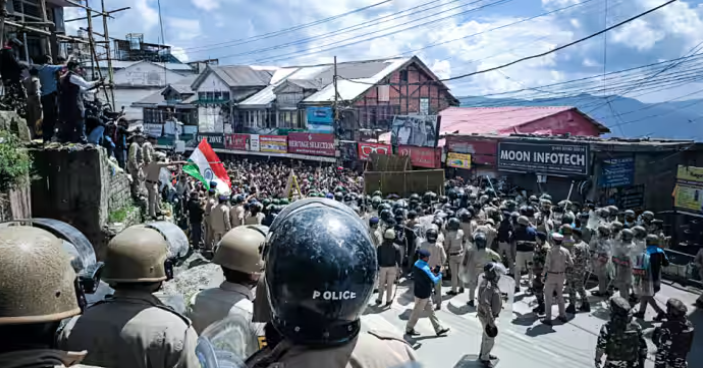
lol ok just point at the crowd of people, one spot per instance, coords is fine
(302, 264)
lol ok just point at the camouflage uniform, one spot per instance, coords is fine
(575, 276)
(674, 338)
(621, 339)
(538, 260)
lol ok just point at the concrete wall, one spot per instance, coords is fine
(120, 195)
(126, 96)
(145, 74)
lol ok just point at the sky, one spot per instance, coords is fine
(453, 37)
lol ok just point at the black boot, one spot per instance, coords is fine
(585, 307)
(571, 309)
(539, 310)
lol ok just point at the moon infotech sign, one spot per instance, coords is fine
(564, 159)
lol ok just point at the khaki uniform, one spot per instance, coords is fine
(489, 305)
(209, 205)
(368, 350)
(212, 305)
(135, 162)
(132, 329)
(219, 221)
(149, 152)
(468, 229)
(250, 219)
(558, 259)
(153, 171)
(262, 310)
(476, 260)
(455, 248)
(236, 215)
(438, 257)
(375, 236)
(36, 357)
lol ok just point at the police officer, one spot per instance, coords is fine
(135, 163)
(455, 247)
(490, 303)
(123, 330)
(238, 255)
(601, 251)
(525, 238)
(236, 211)
(320, 271)
(220, 221)
(438, 257)
(389, 258)
(674, 338)
(576, 274)
(476, 259)
(38, 291)
(622, 259)
(538, 261)
(374, 231)
(621, 340)
(148, 151)
(558, 259)
(210, 203)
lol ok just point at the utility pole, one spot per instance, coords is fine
(109, 56)
(336, 93)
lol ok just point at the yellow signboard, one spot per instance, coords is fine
(459, 160)
(688, 194)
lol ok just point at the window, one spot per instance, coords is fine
(217, 96)
(225, 96)
(404, 76)
(201, 96)
(384, 93)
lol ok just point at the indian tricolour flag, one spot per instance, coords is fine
(205, 166)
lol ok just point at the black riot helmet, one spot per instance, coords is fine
(431, 234)
(414, 197)
(464, 215)
(480, 240)
(338, 196)
(320, 272)
(453, 224)
(386, 215)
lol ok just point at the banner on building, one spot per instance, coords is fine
(366, 149)
(254, 142)
(566, 159)
(238, 142)
(273, 143)
(459, 160)
(215, 140)
(617, 172)
(422, 156)
(415, 130)
(688, 194)
(153, 130)
(320, 115)
(315, 144)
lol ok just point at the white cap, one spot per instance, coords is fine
(557, 237)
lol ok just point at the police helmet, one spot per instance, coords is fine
(652, 240)
(465, 215)
(240, 249)
(399, 219)
(432, 234)
(533, 199)
(639, 232)
(453, 224)
(626, 235)
(523, 220)
(386, 215)
(648, 215)
(514, 216)
(568, 219)
(338, 196)
(443, 199)
(320, 272)
(377, 193)
(389, 234)
(629, 213)
(414, 197)
(137, 254)
(38, 283)
(452, 194)
(603, 230)
(620, 307)
(376, 201)
(493, 271)
(616, 226)
(676, 308)
(480, 240)
(412, 214)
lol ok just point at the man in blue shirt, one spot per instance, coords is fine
(424, 284)
(48, 76)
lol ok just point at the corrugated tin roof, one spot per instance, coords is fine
(243, 75)
(493, 120)
(182, 86)
(119, 64)
(261, 98)
(152, 99)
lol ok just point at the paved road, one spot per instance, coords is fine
(523, 341)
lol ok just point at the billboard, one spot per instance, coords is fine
(688, 194)
(617, 172)
(320, 115)
(254, 142)
(153, 130)
(273, 143)
(459, 160)
(315, 144)
(237, 142)
(216, 140)
(566, 159)
(366, 149)
(415, 130)
(422, 156)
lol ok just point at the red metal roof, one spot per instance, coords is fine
(493, 120)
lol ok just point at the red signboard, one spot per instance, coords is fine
(430, 158)
(273, 143)
(236, 141)
(316, 144)
(482, 150)
(366, 149)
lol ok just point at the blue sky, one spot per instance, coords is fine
(200, 29)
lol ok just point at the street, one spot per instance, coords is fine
(523, 342)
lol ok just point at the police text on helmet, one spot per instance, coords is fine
(334, 295)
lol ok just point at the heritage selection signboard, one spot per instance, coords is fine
(563, 159)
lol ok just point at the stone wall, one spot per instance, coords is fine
(120, 195)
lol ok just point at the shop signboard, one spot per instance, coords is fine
(273, 143)
(564, 159)
(617, 172)
(315, 144)
(254, 142)
(216, 140)
(459, 160)
(153, 130)
(422, 156)
(688, 194)
(366, 149)
(320, 115)
(482, 150)
(237, 142)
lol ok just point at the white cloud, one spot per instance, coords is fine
(207, 5)
(575, 23)
(590, 63)
(638, 35)
(441, 68)
(183, 29)
(180, 53)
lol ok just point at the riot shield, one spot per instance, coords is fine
(506, 284)
(177, 240)
(227, 343)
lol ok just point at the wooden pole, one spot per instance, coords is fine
(3, 15)
(110, 72)
(47, 41)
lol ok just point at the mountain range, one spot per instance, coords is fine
(625, 117)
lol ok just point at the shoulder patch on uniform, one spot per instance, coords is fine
(387, 335)
(173, 311)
